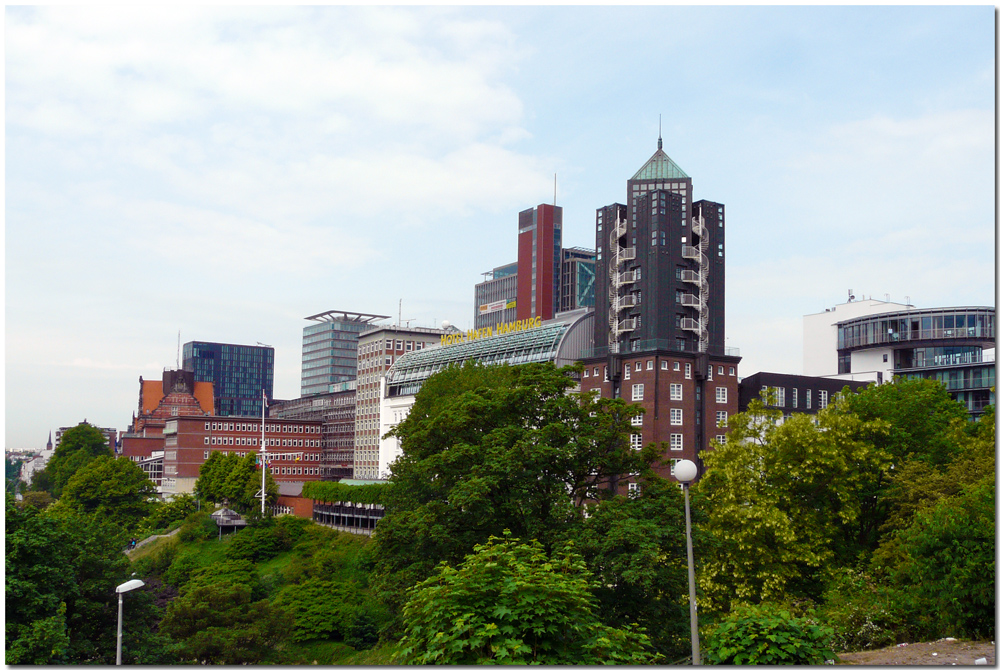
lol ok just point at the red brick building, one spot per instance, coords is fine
(294, 447)
(685, 407)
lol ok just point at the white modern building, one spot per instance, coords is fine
(871, 340)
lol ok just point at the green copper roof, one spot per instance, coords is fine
(660, 167)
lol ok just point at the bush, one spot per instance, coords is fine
(864, 615)
(158, 560)
(198, 526)
(767, 635)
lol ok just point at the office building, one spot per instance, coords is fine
(576, 288)
(793, 394)
(378, 350)
(239, 374)
(330, 349)
(336, 410)
(659, 333)
(496, 297)
(539, 256)
(292, 447)
(873, 340)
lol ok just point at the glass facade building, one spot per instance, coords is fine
(330, 349)
(238, 374)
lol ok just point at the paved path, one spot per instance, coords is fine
(151, 538)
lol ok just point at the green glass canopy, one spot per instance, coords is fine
(660, 166)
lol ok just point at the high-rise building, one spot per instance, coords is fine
(539, 256)
(238, 373)
(378, 349)
(337, 412)
(659, 329)
(330, 349)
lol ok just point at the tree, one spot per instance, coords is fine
(510, 603)
(112, 489)
(79, 445)
(488, 448)
(218, 623)
(61, 572)
(635, 547)
(919, 413)
(782, 501)
(235, 479)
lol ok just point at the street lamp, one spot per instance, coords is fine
(120, 589)
(685, 471)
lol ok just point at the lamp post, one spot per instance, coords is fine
(685, 471)
(120, 589)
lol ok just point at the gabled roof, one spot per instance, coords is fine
(660, 166)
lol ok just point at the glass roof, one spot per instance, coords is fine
(526, 346)
(659, 166)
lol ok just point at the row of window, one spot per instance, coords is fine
(268, 427)
(252, 442)
(272, 457)
(778, 399)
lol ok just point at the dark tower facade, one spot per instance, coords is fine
(239, 373)
(659, 327)
(539, 259)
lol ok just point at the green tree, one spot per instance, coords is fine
(488, 448)
(112, 489)
(234, 479)
(178, 508)
(510, 603)
(635, 547)
(783, 503)
(61, 571)
(919, 413)
(79, 445)
(218, 623)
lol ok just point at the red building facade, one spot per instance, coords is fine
(539, 259)
(294, 447)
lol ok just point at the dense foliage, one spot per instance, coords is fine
(511, 603)
(366, 494)
(79, 445)
(767, 635)
(489, 448)
(234, 480)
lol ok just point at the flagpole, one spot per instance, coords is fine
(263, 454)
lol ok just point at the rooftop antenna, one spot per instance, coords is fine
(178, 349)
(659, 141)
(399, 321)
(554, 183)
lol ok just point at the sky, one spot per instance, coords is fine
(219, 174)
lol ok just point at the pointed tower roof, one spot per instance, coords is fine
(660, 166)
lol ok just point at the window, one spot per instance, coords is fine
(677, 366)
(673, 465)
(206, 454)
(779, 396)
(732, 371)
(823, 396)
(638, 366)
(687, 371)
(636, 440)
(634, 488)
(663, 365)
(206, 442)
(721, 439)
(676, 417)
(676, 392)
(809, 398)
(637, 391)
(586, 373)
(637, 420)
(721, 395)
(721, 418)
(649, 365)
(595, 372)
(709, 372)
(722, 371)
(676, 441)
(628, 371)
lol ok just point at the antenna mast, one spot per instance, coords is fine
(178, 349)
(555, 182)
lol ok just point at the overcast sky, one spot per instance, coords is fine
(227, 172)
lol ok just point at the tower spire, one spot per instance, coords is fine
(659, 141)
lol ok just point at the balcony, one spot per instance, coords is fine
(626, 254)
(626, 278)
(691, 277)
(691, 300)
(691, 324)
(625, 301)
(692, 252)
(626, 325)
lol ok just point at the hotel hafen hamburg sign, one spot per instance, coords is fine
(490, 331)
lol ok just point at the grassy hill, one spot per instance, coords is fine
(310, 579)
